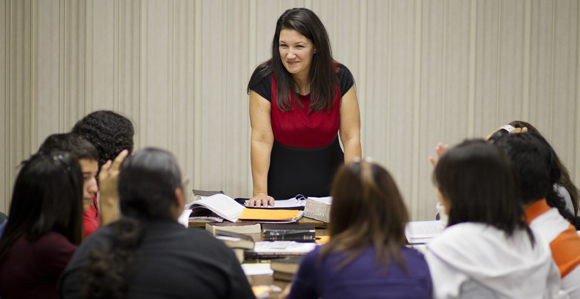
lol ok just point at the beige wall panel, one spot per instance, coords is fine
(183, 93)
(213, 106)
(48, 67)
(159, 98)
(236, 100)
(457, 72)
(4, 112)
(376, 120)
(346, 46)
(565, 99)
(426, 71)
(128, 67)
(433, 74)
(486, 73)
(511, 54)
(541, 54)
(400, 115)
(325, 10)
(18, 81)
(103, 66)
(283, 5)
(74, 64)
(267, 15)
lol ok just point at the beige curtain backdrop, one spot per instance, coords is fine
(425, 70)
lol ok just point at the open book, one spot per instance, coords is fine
(420, 232)
(220, 204)
(298, 202)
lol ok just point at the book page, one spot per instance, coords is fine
(283, 247)
(285, 203)
(327, 199)
(222, 205)
(422, 231)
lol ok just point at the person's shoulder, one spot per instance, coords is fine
(53, 241)
(460, 232)
(343, 71)
(204, 242)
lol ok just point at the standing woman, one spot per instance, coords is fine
(45, 226)
(301, 101)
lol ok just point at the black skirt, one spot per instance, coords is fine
(306, 171)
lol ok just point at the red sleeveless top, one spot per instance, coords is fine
(299, 128)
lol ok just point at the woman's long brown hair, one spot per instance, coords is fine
(367, 209)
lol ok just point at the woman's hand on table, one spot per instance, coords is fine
(260, 200)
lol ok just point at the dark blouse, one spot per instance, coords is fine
(299, 127)
(306, 152)
(32, 268)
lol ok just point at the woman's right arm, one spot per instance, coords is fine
(262, 141)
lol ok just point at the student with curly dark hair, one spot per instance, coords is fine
(112, 135)
(44, 228)
(147, 253)
(108, 131)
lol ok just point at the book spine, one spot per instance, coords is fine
(298, 237)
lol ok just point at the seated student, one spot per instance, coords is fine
(487, 250)
(88, 157)
(111, 134)
(147, 253)
(564, 195)
(45, 226)
(366, 256)
(533, 160)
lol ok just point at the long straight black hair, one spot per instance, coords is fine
(47, 196)
(322, 77)
(147, 184)
(477, 179)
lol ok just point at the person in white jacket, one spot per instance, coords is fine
(487, 250)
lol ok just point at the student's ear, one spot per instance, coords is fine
(179, 203)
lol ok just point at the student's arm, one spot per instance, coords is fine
(350, 125)
(262, 141)
(108, 187)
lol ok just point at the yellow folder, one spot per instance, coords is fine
(268, 214)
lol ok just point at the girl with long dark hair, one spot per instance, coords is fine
(487, 249)
(45, 226)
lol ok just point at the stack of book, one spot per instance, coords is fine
(318, 208)
(219, 207)
(285, 268)
(288, 232)
(239, 236)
